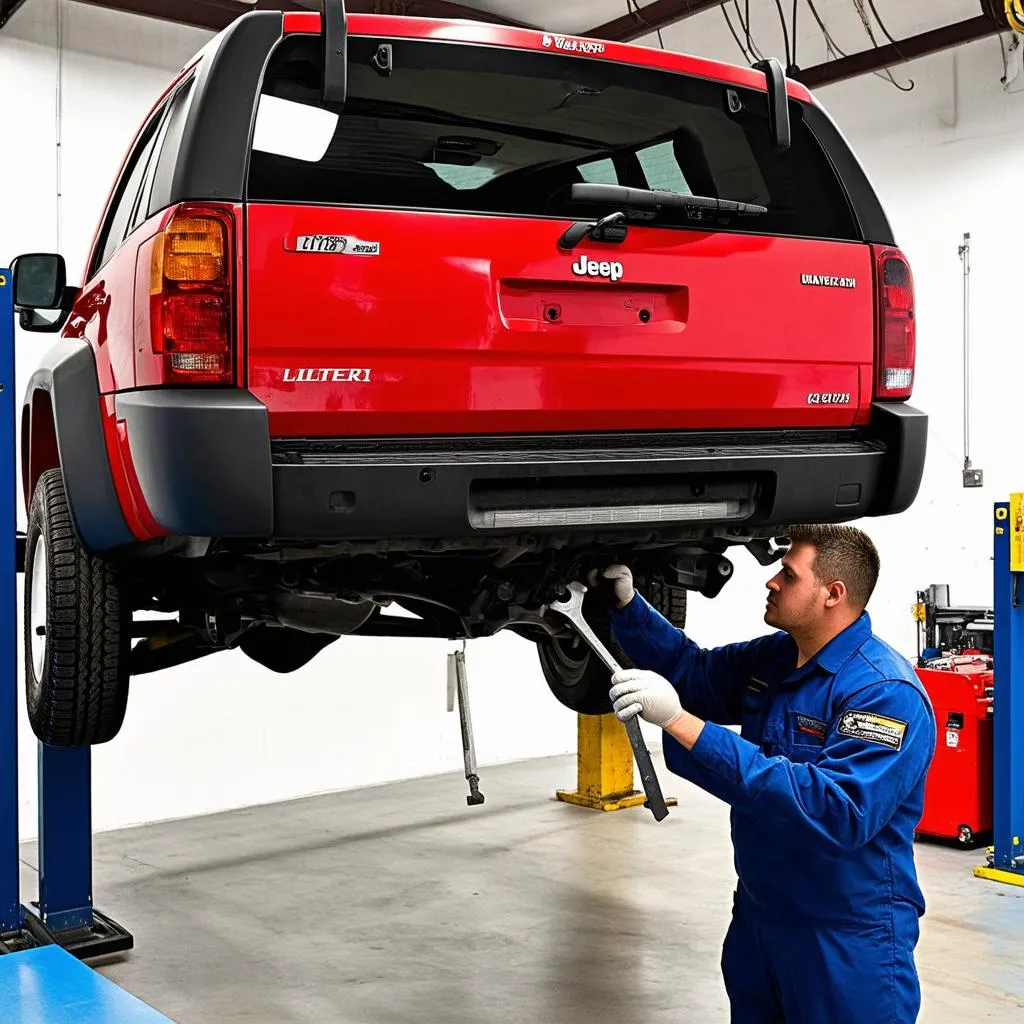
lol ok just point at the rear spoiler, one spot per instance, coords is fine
(334, 36)
(778, 102)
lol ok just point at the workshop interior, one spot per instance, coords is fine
(344, 346)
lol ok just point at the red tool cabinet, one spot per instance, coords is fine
(958, 793)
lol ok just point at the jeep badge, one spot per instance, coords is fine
(585, 267)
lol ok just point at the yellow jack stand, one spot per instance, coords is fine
(604, 767)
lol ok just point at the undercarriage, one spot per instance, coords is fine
(270, 600)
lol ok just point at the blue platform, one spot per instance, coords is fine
(50, 986)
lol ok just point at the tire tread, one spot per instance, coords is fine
(84, 690)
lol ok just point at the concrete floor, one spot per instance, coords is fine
(400, 904)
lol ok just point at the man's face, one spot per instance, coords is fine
(796, 599)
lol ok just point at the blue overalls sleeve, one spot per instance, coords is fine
(710, 683)
(880, 744)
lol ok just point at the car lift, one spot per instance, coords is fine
(41, 945)
(1006, 857)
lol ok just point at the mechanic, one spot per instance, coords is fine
(825, 781)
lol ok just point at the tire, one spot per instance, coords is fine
(77, 629)
(574, 674)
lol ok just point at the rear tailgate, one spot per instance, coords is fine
(404, 274)
(469, 324)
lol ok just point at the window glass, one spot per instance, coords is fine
(503, 131)
(125, 194)
(167, 155)
(661, 168)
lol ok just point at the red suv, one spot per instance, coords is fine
(443, 314)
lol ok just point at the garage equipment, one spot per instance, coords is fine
(958, 793)
(458, 683)
(64, 913)
(954, 663)
(945, 629)
(1006, 860)
(572, 609)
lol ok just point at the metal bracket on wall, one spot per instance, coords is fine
(972, 477)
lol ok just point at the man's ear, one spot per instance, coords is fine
(837, 594)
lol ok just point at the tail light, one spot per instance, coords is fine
(896, 325)
(191, 296)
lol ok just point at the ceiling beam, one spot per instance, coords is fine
(876, 59)
(217, 14)
(652, 16)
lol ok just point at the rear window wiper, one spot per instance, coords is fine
(643, 204)
(655, 200)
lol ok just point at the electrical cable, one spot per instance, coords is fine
(746, 56)
(785, 32)
(859, 6)
(833, 48)
(795, 8)
(633, 7)
(881, 24)
(745, 25)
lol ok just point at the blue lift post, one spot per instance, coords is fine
(1006, 858)
(12, 913)
(64, 913)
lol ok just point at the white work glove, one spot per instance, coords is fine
(636, 691)
(623, 579)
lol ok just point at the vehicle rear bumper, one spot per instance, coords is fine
(207, 467)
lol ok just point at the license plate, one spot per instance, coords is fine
(341, 245)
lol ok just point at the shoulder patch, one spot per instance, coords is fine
(866, 725)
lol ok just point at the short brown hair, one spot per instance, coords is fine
(842, 553)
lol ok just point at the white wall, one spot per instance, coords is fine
(224, 732)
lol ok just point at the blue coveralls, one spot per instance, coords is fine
(826, 785)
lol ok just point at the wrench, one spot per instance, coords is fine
(572, 609)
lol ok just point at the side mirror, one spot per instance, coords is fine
(39, 281)
(42, 298)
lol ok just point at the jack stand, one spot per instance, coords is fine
(1006, 858)
(458, 682)
(604, 767)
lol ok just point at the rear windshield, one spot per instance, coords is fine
(498, 131)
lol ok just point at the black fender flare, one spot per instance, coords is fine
(68, 374)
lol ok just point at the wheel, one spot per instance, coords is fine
(77, 629)
(965, 836)
(574, 674)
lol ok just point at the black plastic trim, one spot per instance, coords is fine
(207, 467)
(202, 458)
(214, 151)
(68, 373)
(864, 202)
(435, 495)
(904, 432)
